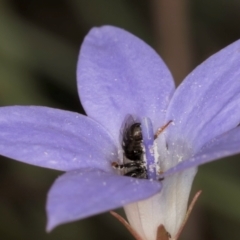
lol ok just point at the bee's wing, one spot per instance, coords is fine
(127, 123)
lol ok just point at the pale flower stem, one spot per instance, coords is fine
(162, 234)
(190, 208)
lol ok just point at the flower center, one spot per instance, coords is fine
(139, 147)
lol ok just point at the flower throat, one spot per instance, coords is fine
(136, 162)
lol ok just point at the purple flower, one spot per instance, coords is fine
(119, 75)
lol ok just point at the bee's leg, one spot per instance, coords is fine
(126, 165)
(161, 178)
(115, 165)
(161, 129)
(139, 172)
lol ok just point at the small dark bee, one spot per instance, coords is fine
(133, 163)
(132, 145)
(132, 142)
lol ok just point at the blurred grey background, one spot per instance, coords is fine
(39, 44)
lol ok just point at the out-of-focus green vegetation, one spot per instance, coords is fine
(39, 43)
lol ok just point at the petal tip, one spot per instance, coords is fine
(50, 226)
